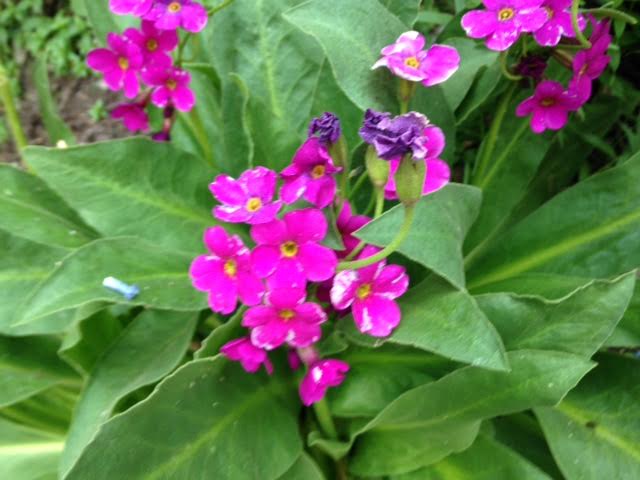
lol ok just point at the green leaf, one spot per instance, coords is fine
(303, 469)
(589, 230)
(132, 187)
(441, 223)
(29, 209)
(162, 277)
(57, 129)
(353, 46)
(27, 454)
(103, 21)
(486, 82)
(578, 323)
(427, 423)
(486, 459)
(627, 333)
(405, 10)
(595, 432)
(208, 418)
(280, 67)
(153, 345)
(224, 333)
(446, 321)
(473, 56)
(433, 103)
(377, 377)
(28, 366)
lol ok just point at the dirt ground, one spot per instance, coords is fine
(74, 97)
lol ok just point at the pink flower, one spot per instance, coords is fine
(133, 116)
(370, 292)
(407, 59)
(226, 272)
(438, 171)
(549, 106)
(558, 23)
(248, 199)
(310, 175)
(290, 248)
(286, 318)
(154, 44)
(347, 224)
(171, 86)
(250, 357)
(503, 21)
(589, 64)
(130, 7)
(119, 64)
(171, 14)
(322, 375)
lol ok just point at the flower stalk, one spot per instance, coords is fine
(575, 10)
(11, 113)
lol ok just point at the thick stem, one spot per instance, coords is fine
(379, 202)
(409, 214)
(405, 93)
(505, 69)
(213, 10)
(11, 113)
(611, 13)
(323, 414)
(575, 7)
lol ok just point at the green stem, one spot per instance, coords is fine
(354, 253)
(611, 13)
(359, 183)
(323, 414)
(575, 10)
(212, 11)
(505, 68)
(409, 214)
(492, 138)
(7, 100)
(379, 202)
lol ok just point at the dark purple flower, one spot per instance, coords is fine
(326, 128)
(395, 136)
(532, 66)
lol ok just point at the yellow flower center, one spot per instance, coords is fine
(318, 171)
(254, 204)
(287, 314)
(171, 84)
(123, 62)
(289, 249)
(548, 102)
(364, 291)
(152, 45)
(412, 62)
(506, 14)
(174, 7)
(549, 13)
(230, 268)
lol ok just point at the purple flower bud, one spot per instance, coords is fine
(395, 136)
(532, 66)
(326, 128)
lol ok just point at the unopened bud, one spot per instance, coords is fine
(377, 168)
(339, 152)
(410, 180)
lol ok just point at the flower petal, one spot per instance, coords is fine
(319, 262)
(376, 316)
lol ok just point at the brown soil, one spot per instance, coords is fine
(74, 98)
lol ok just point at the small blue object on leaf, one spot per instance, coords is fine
(127, 291)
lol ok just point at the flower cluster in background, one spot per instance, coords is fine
(289, 280)
(503, 22)
(139, 62)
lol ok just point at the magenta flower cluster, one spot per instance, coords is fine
(144, 57)
(281, 276)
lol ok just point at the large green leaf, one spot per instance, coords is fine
(405, 10)
(627, 333)
(27, 454)
(595, 432)
(377, 377)
(152, 345)
(589, 230)
(578, 323)
(208, 418)
(303, 469)
(353, 45)
(429, 422)
(486, 459)
(441, 223)
(29, 209)
(132, 187)
(161, 275)
(280, 67)
(28, 366)
(23, 265)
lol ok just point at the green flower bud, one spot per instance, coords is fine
(339, 153)
(410, 180)
(377, 168)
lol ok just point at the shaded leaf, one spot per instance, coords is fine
(304, 469)
(405, 10)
